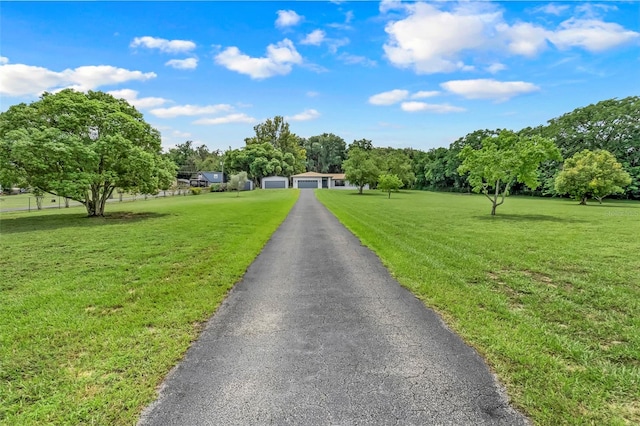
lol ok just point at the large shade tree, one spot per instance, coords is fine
(360, 168)
(504, 160)
(82, 146)
(325, 153)
(276, 132)
(592, 174)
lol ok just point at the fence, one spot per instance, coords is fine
(28, 202)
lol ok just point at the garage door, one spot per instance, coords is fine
(307, 184)
(274, 184)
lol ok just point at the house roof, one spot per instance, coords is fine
(316, 175)
(209, 176)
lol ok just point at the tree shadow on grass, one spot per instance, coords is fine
(53, 222)
(528, 218)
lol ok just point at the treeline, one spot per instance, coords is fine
(612, 125)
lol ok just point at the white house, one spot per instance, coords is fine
(275, 182)
(322, 180)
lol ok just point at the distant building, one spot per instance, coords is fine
(204, 179)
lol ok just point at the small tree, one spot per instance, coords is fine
(503, 160)
(237, 182)
(592, 173)
(388, 183)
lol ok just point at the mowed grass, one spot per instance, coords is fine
(547, 291)
(95, 312)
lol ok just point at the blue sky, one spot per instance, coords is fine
(417, 74)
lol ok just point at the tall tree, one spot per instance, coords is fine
(325, 153)
(503, 160)
(83, 146)
(592, 173)
(276, 132)
(395, 162)
(360, 168)
(364, 144)
(612, 125)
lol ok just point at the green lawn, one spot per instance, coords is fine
(548, 291)
(95, 312)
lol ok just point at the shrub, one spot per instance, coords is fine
(195, 191)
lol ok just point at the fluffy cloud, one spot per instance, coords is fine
(314, 38)
(430, 40)
(231, 118)
(22, 80)
(439, 37)
(425, 94)
(524, 38)
(287, 18)
(414, 106)
(183, 64)
(591, 35)
(389, 98)
(131, 96)
(306, 115)
(489, 89)
(190, 110)
(164, 45)
(279, 60)
(4, 60)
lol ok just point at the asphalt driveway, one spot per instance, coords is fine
(317, 332)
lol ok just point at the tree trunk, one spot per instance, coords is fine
(583, 201)
(493, 209)
(360, 189)
(389, 194)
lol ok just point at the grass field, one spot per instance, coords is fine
(95, 312)
(548, 291)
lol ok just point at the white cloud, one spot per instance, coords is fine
(591, 35)
(287, 18)
(430, 40)
(489, 88)
(553, 9)
(231, 118)
(350, 59)
(414, 106)
(524, 38)
(315, 38)
(279, 60)
(179, 134)
(306, 115)
(496, 68)
(131, 96)
(183, 64)
(387, 5)
(4, 60)
(190, 110)
(21, 80)
(425, 94)
(389, 98)
(164, 45)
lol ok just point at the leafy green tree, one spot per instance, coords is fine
(503, 160)
(611, 125)
(396, 162)
(325, 153)
(592, 173)
(363, 144)
(360, 168)
(83, 146)
(237, 182)
(259, 160)
(276, 132)
(388, 183)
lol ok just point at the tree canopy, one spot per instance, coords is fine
(360, 168)
(82, 146)
(276, 132)
(325, 153)
(388, 183)
(259, 160)
(503, 160)
(592, 174)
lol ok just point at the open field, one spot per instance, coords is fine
(548, 291)
(94, 312)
